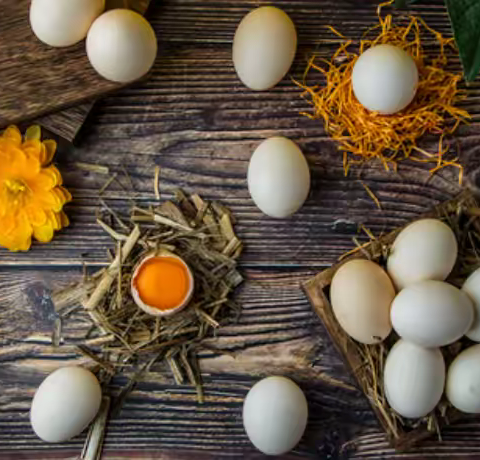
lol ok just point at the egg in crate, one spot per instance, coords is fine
(413, 378)
(463, 381)
(361, 294)
(424, 250)
(472, 288)
(431, 313)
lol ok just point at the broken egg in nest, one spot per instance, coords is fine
(162, 283)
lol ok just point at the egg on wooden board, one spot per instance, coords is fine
(275, 414)
(413, 379)
(424, 250)
(278, 177)
(361, 294)
(65, 403)
(121, 45)
(463, 381)
(385, 79)
(472, 288)
(63, 23)
(431, 313)
(264, 46)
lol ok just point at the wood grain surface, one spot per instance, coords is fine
(38, 79)
(195, 120)
(67, 122)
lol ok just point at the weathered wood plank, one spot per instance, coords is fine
(195, 119)
(277, 334)
(38, 79)
(205, 146)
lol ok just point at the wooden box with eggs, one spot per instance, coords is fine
(404, 312)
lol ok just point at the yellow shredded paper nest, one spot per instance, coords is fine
(363, 135)
(31, 192)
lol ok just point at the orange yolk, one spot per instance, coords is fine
(162, 282)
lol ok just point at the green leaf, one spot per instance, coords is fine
(403, 3)
(465, 19)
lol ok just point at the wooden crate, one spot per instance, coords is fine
(463, 209)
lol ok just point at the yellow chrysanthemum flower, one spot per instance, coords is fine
(31, 192)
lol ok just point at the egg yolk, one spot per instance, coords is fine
(162, 282)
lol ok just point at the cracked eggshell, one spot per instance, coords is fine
(151, 310)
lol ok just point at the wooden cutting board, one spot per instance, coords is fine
(36, 79)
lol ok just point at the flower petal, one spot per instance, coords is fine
(4, 202)
(36, 215)
(33, 148)
(50, 149)
(63, 194)
(13, 159)
(33, 132)
(48, 201)
(58, 221)
(46, 180)
(44, 234)
(54, 220)
(15, 244)
(65, 220)
(13, 134)
(16, 232)
(31, 169)
(8, 224)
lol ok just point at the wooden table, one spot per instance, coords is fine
(195, 120)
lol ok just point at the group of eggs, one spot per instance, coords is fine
(275, 410)
(384, 80)
(426, 312)
(121, 45)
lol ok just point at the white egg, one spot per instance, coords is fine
(65, 403)
(278, 177)
(413, 379)
(463, 381)
(275, 414)
(121, 45)
(424, 250)
(431, 313)
(264, 47)
(361, 294)
(385, 79)
(472, 288)
(63, 22)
